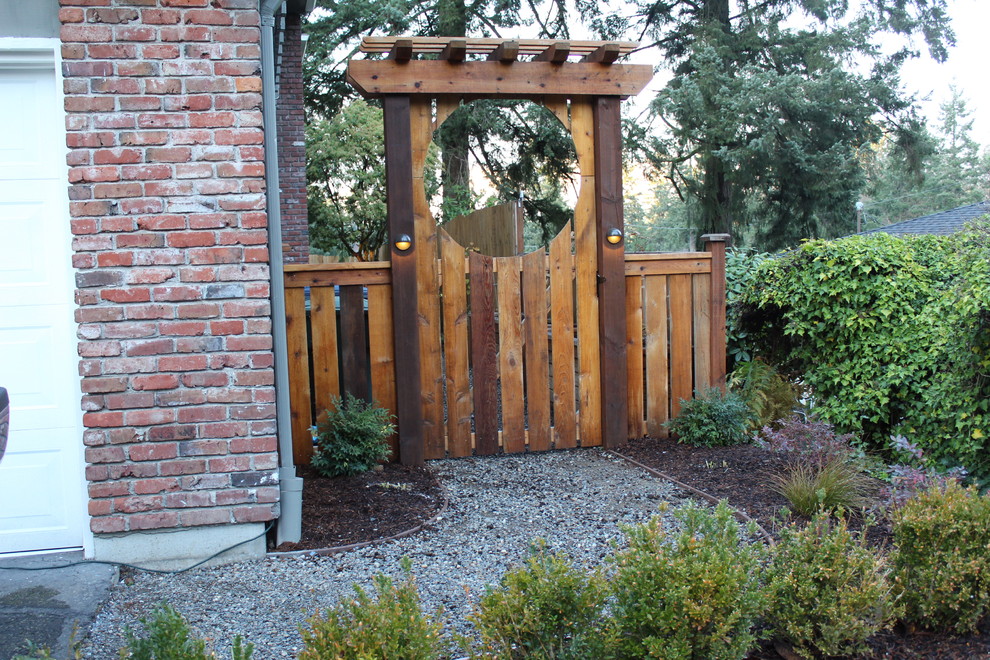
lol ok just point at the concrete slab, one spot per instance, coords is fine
(49, 600)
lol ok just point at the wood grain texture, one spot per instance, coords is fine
(510, 354)
(681, 362)
(664, 265)
(299, 388)
(562, 347)
(323, 275)
(484, 347)
(428, 283)
(611, 270)
(635, 391)
(456, 348)
(534, 289)
(701, 326)
(323, 330)
(373, 78)
(487, 45)
(381, 353)
(405, 289)
(655, 320)
(585, 265)
(716, 244)
(354, 340)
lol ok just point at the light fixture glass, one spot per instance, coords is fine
(403, 243)
(614, 235)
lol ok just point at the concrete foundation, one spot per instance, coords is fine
(179, 548)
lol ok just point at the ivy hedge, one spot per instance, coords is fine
(891, 336)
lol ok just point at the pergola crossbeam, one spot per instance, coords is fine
(535, 48)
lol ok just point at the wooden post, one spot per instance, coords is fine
(716, 243)
(611, 270)
(354, 339)
(405, 309)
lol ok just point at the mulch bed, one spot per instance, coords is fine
(741, 475)
(365, 507)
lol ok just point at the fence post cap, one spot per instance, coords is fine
(716, 238)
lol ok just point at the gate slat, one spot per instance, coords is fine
(562, 319)
(634, 356)
(381, 352)
(657, 363)
(455, 336)
(323, 324)
(585, 263)
(680, 342)
(534, 287)
(353, 335)
(483, 351)
(701, 286)
(510, 354)
(299, 389)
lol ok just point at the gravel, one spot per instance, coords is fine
(575, 500)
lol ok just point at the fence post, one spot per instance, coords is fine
(716, 244)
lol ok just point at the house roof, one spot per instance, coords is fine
(945, 222)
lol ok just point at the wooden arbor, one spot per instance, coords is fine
(417, 95)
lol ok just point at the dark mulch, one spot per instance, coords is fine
(365, 507)
(740, 475)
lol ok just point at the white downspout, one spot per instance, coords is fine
(290, 486)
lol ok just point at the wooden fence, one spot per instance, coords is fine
(339, 322)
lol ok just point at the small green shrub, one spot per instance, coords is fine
(688, 594)
(167, 637)
(942, 557)
(352, 439)
(829, 592)
(769, 396)
(712, 419)
(546, 608)
(813, 487)
(389, 625)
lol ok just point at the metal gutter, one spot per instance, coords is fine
(290, 485)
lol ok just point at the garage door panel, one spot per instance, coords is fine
(38, 475)
(34, 261)
(29, 112)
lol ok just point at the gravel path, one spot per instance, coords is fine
(576, 500)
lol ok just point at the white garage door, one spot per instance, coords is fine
(41, 475)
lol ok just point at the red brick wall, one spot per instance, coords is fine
(292, 146)
(167, 203)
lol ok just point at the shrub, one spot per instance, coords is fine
(829, 592)
(167, 637)
(769, 396)
(904, 481)
(689, 594)
(712, 419)
(812, 487)
(807, 439)
(352, 439)
(942, 557)
(546, 608)
(389, 625)
(891, 335)
(740, 269)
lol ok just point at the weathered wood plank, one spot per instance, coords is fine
(354, 342)
(657, 357)
(299, 388)
(324, 275)
(664, 266)
(635, 427)
(381, 352)
(716, 244)
(681, 378)
(405, 310)
(534, 287)
(510, 354)
(585, 264)
(611, 269)
(505, 52)
(484, 347)
(323, 328)
(562, 320)
(605, 54)
(456, 349)
(556, 52)
(701, 289)
(428, 282)
(374, 78)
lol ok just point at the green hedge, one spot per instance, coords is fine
(891, 335)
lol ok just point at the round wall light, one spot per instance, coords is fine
(614, 235)
(403, 243)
